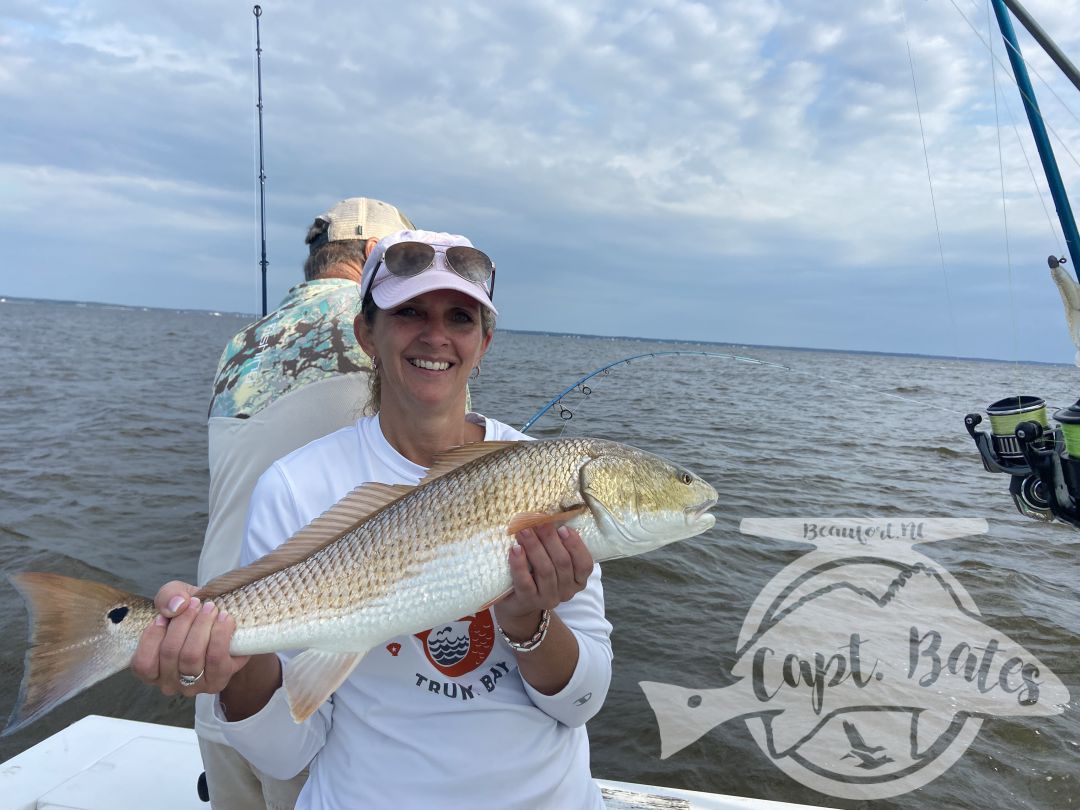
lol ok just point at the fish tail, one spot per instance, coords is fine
(681, 716)
(81, 632)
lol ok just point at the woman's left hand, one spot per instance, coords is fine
(548, 566)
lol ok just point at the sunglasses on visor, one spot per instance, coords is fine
(405, 259)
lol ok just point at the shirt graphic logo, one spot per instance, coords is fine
(457, 648)
(449, 644)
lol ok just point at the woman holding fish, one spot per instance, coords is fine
(485, 711)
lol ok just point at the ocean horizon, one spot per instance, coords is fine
(629, 338)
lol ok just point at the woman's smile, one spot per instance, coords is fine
(430, 365)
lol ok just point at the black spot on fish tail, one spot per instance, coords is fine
(117, 615)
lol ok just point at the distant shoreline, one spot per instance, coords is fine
(678, 341)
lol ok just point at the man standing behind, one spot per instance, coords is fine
(287, 379)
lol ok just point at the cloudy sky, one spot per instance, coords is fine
(750, 172)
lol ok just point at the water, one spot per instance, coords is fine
(103, 475)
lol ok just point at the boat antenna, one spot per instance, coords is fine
(257, 11)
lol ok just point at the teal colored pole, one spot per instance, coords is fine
(1038, 131)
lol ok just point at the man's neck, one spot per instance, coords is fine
(351, 271)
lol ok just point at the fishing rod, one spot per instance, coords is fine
(257, 11)
(566, 414)
(579, 385)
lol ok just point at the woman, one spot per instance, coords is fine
(488, 711)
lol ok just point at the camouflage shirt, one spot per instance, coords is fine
(307, 338)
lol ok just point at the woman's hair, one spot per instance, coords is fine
(369, 309)
(337, 252)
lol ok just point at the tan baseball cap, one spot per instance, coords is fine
(356, 218)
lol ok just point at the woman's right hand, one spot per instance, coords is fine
(188, 637)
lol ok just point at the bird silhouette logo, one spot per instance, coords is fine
(863, 752)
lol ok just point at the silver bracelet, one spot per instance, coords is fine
(537, 638)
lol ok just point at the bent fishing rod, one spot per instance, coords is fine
(580, 384)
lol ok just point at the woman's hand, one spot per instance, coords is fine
(189, 638)
(548, 566)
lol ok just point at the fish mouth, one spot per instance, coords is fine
(696, 512)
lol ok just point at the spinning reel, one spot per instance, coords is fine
(1043, 462)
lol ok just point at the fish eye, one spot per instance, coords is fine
(686, 478)
(117, 614)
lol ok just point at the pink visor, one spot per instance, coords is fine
(407, 264)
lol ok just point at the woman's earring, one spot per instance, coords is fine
(475, 372)
(374, 363)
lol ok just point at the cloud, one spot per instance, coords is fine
(731, 171)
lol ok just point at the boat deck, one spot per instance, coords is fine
(101, 763)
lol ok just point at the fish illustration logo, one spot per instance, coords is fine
(864, 670)
(457, 648)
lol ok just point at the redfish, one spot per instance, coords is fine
(384, 561)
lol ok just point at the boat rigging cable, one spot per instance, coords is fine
(930, 181)
(1059, 245)
(1005, 208)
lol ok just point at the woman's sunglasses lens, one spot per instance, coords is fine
(408, 258)
(469, 263)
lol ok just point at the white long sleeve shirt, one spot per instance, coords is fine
(241, 450)
(439, 719)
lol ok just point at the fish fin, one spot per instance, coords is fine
(450, 460)
(346, 514)
(530, 520)
(78, 636)
(312, 676)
